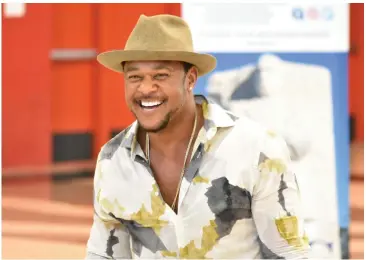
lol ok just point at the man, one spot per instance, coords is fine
(188, 179)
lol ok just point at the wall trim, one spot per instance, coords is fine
(66, 54)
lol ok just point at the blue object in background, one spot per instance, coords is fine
(337, 63)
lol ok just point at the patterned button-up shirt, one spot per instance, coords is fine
(238, 198)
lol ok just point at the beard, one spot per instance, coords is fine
(163, 124)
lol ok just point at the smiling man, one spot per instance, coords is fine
(188, 179)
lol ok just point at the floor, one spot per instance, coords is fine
(52, 228)
(357, 202)
(52, 221)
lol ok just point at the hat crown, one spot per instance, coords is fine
(160, 33)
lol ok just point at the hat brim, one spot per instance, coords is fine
(112, 60)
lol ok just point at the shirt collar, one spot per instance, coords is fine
(215, 117)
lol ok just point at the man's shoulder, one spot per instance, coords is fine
(248, 131)
(112, 145)
(245, 126)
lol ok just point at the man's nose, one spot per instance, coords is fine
(147, 86)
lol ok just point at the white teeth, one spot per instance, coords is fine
(150, 103)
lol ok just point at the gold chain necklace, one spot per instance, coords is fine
(147, 145)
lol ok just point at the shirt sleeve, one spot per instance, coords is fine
(276, 204)
(108, 239)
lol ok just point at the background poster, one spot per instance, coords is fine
(285, 65)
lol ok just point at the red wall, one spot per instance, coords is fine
(72, 81)
(26, 86)
(356, 66)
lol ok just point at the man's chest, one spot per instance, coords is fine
(214, 204)
(168, 174)
(210, 186)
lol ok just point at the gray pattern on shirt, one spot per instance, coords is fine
(111, 147)
(142, 236)
(229, 203)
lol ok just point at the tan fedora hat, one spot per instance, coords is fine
(159, 37)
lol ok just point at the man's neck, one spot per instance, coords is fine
(176, 136)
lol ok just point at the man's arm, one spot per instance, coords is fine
(276, 204)
(108, 237)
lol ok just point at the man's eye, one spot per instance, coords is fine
(161, 76)
(134, 78)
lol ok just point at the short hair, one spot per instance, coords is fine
(187, 66)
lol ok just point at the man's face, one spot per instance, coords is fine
(156, 91)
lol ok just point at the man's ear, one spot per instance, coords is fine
(192, 77)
